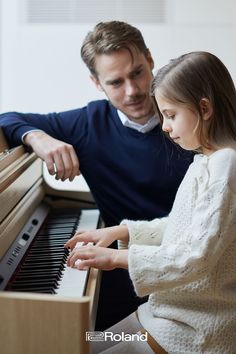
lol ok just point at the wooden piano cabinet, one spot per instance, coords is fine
(38, 323)
(92, 291)
(3, 142)
(43, 324)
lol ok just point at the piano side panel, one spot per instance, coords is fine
(15, 169)
(11, 195)
(92, 291)
(45, 324)
(9, 156)
(17, 218)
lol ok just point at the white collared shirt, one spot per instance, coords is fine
(142, 128)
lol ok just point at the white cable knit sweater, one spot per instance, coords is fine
(187, 262)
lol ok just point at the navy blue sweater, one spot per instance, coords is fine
(130, 174)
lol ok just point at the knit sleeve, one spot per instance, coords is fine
(65, 126)
(195, 252)
(144, 232)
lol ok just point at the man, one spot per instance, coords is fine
(132, 169)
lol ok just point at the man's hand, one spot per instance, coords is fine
(98, 257)
(60, 158)
(100, 237)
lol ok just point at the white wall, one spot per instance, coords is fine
(40, 65)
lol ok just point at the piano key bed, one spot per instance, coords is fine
(36, 261)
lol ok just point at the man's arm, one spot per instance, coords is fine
(49, 135)
(60, 157)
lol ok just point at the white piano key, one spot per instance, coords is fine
(73, 282)
(88, 219)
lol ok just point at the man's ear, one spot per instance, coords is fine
(206, 108)
(150, 59)
(96, 83)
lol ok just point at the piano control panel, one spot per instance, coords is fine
(16, 252)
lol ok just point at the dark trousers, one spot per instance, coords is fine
(117, 298)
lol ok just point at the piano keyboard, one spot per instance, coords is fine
(36, 261)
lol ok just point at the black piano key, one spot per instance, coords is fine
(58, 231)
(40, 290)
(41, 275)
(38, 263)
(51, 240)
(38, 258)
(50, 249)
(50, 243)
(46, 261)
(53, 237)
(56, 265)
(56, 243)
(51, 253)
(42, 258)
(36, 271)
(40, 287)
(42, 261)
(57, 224)
(34, 283)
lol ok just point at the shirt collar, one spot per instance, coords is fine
(142, 128)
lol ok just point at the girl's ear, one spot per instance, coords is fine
(206, 108)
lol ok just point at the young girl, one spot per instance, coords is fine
(185, 262)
